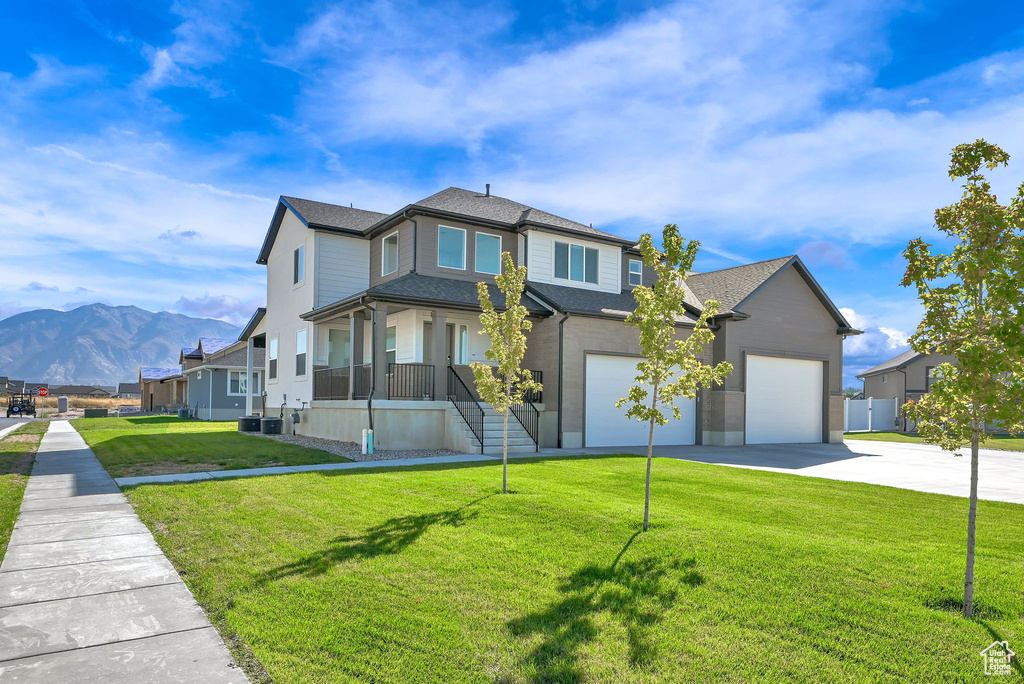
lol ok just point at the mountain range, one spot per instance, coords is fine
(97, 343)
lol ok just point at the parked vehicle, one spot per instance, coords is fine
(21, 405)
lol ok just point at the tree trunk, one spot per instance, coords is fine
(504, 441)
(971, 518)
(650, 455)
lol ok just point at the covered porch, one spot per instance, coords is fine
(385, 350)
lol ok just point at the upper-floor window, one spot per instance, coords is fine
(300, 353)
(636, 272)
(488, 253)
(299, 263)
(451, 247)
(272, 358)
(885, 378)
(576, 262)
(389, 255)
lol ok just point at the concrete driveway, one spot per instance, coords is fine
(920, 467)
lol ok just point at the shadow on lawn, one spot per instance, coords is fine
(636, 592)
(390, 537)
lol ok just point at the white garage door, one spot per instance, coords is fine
(784, 400)
(608, 380)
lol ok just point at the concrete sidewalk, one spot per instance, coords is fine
(86, 595)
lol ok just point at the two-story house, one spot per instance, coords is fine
(378, 312)
(904, 377)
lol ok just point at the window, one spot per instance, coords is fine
(389, 255)
(463, 345)
(636, 272)
(300, 353)
(272, 359)
(299, 260)
(576, 262)
(237, 385)
(451, 247)
(391, 343)
(488, 253)
(885, 378)
(199, 375)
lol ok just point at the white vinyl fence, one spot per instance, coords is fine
(870, 414)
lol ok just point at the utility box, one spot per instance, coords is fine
(62, 404)
(249, 424)
(96, 413)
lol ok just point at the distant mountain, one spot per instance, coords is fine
(98, 344)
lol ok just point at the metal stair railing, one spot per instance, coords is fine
(468, 407)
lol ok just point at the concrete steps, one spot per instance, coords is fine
(519, 440)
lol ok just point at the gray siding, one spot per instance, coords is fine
(405, 253)
(916, 379)
(648, 275)
(342, 267)
(427, 262)
(200, 395)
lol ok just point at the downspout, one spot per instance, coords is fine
(900, 369)
(210, 417)
(561, 371)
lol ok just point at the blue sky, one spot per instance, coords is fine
(142, 145)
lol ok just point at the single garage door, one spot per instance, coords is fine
(784, 400)
(608, 380)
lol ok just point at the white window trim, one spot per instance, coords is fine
(302, 271)
(451, 268)
(463, 344)
(630, 274)
(885, 378)
(259, 383)
(270, 358)
(297, 352)
(476, 253)
(554, 264)
(383, 261)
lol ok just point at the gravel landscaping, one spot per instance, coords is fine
(351, 450)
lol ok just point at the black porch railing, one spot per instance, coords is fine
(468, 407)
(529, 417)
(331, 383)
(410, 381)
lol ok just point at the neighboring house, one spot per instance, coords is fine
(163, 389)
(129, 390)
(903, 377)
(367, 306)
(80, 391)
(216, 374)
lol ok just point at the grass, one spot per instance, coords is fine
(157, 445)
(429, 574)
(1005, 442)
(17, 451)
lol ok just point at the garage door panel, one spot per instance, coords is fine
(608, 379)
(783, 400)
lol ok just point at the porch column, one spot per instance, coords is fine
(249, 347)
(439, 353)
(380, 354)
(355, 346)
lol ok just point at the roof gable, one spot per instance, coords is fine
(318, 216)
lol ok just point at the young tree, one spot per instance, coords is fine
(671, 367)
(507, 330)
(974, 310)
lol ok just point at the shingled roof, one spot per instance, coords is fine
(324, 215)
(150, 374)
(730, 286)
(892, 364)
(592, 302)
(212, 345)
(493, 208)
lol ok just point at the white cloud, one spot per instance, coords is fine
(877, 344)
(223, 307)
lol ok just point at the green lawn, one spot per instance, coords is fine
(429, 575)
(157, 445)
(17, 451)
(1007, 442)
